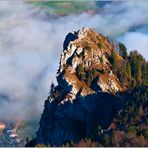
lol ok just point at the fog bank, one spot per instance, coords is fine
(31, 44)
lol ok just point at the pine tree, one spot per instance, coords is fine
(139, 74)
(80, 71)
(136, 62)
(132, 130)
(121, 72)
(114, 60)
(134, 82)
(89, 78)
(129, 75)
(52, 88)
(144, 73)
(122, 50)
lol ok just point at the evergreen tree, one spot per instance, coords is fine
(139, 74)
(80, 72)
(89, 77)
(145, 73)
(136, 61)
(122, 50)
(79, 69)
(132, 130)
(121, 72)
(129, 72)
(52, 88)
(113, 60)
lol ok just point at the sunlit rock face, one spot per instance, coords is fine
(85, 96)
(91, 51)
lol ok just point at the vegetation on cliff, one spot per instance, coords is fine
(101, 96)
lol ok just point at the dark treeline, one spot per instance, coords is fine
(132, 71)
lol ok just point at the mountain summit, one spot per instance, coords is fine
(85, 67)
(86, 94)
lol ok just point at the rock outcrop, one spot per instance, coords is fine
(85, 96)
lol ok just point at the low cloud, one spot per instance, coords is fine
(31, 44)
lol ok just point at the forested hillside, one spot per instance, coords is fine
(133, 71)
(130, 125)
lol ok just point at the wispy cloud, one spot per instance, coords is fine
(31, 44)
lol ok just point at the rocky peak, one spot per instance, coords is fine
(84, 66)
(85, 96)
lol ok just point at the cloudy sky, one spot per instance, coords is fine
(31, 44)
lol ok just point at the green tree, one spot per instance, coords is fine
(94, 72)
(80, 72)
(79, 68)
(52, 88)
(89, 77)
(136, 62)
(113, 60)
(122, 50)
(139, 74)
(134, 82)
(100, 45)
(122, 73)
(129, 75)
(145, 73)
(132, 130)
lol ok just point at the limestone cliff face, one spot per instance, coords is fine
(85, 96)
(89, 51)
